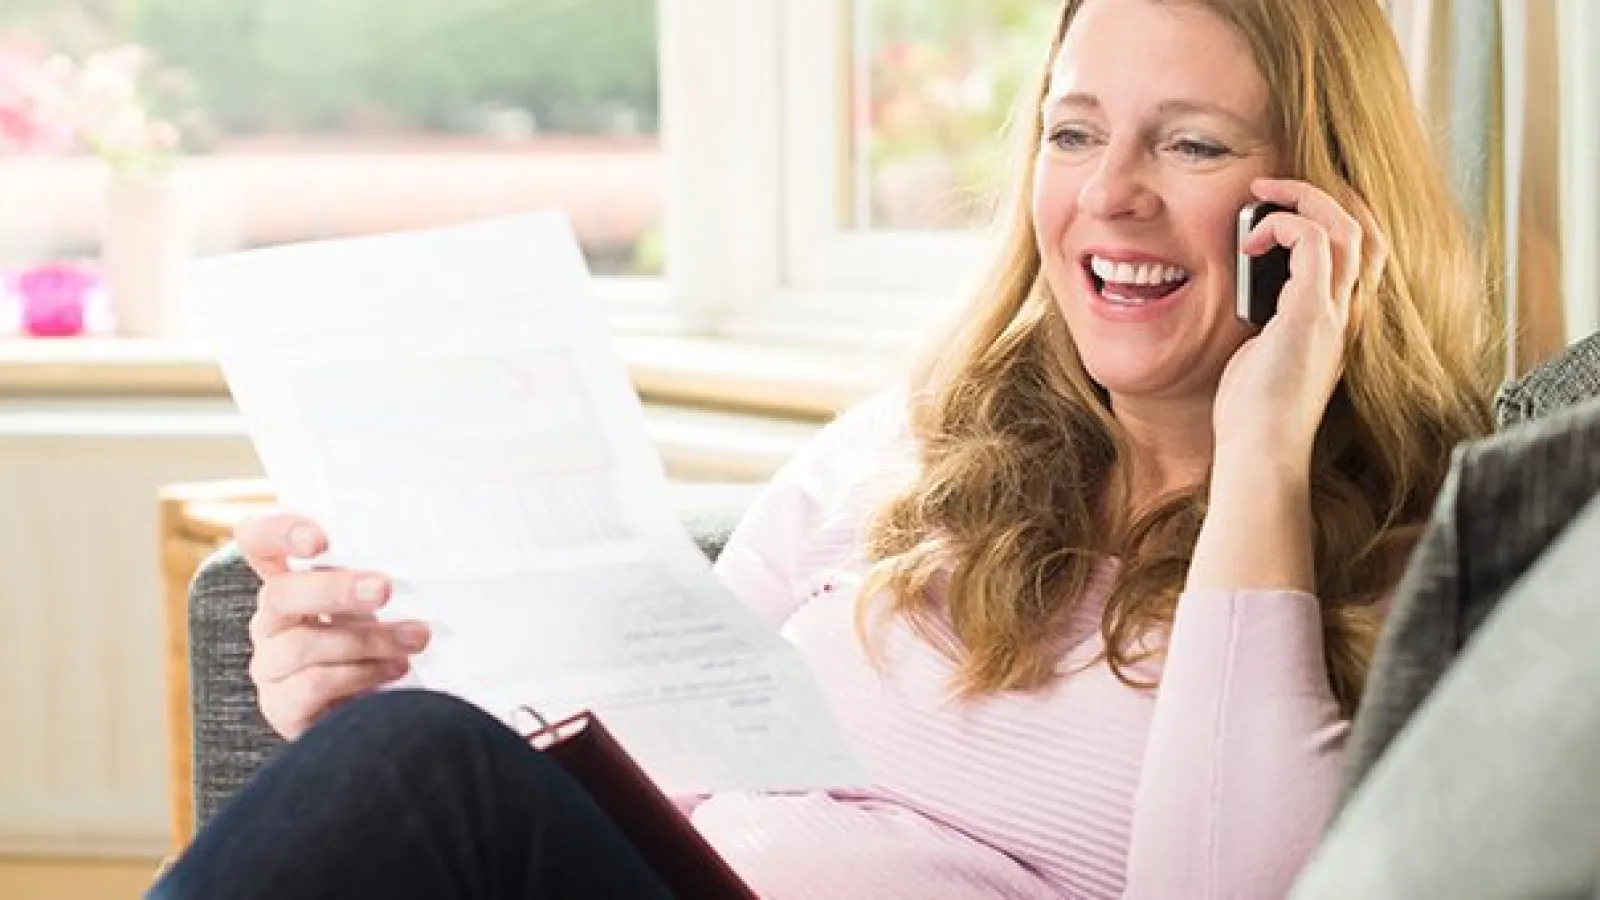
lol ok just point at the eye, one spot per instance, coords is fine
(1198, 150)
(1069, 138)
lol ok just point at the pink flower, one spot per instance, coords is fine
(106, 104)
(116, 91)
(17, 128)
(33, 109)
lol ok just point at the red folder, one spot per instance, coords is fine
(654, 825)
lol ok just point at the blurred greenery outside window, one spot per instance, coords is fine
(937, 82)
(302, 119)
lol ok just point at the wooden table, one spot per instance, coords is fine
(196, 519)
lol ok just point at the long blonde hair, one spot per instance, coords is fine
(1018, 494)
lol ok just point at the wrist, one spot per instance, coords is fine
(1252, 471)
(1262, 496)
(1258, 528)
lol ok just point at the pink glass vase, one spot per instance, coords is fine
(54, 297)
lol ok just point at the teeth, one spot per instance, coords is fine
(1130, 273)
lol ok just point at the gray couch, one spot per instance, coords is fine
(231, 741)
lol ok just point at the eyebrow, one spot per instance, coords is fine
(1166, 108)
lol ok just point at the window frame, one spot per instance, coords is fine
(755, 99)
(754, 249)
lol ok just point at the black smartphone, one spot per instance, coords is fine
(1258, 279)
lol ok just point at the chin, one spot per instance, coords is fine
(1118, 359)
(1128, 380)
(1149, 359)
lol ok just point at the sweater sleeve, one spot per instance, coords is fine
(807, 520)
(1243, 761)
(760, 561)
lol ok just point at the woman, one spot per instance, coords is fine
(1109, 484)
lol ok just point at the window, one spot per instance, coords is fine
(812, 168)
(891, 174)
(753, 168)
(934, 87)
(302, 119)
(798, 142)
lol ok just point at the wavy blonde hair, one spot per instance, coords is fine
(1019, 493)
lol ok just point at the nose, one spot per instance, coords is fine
(1119, 187)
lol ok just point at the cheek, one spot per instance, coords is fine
(1210, 217)
(1216, 228)
(1053, 209)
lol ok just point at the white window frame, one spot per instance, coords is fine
(823, 40)
(754, 118)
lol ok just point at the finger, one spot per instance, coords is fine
(1374, 256)
(293, 705)
(263, 625)
(1375, 244)
(1310, 253)
(269, 540)
(1344, 229)
(308, 646)
(284, 600)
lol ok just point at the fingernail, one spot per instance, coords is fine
(412, 635)
(369, 590)
(303, 540)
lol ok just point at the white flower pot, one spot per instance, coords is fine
(146, 241)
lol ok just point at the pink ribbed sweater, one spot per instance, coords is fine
(1216, 786)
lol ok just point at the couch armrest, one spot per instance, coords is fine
(1569, 378)
(231, 739)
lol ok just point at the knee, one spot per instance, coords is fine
(431, 744)
(413, 710)
(402, 724)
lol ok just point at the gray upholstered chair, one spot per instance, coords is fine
(1570, 378)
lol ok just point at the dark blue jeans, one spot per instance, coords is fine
(410, 794)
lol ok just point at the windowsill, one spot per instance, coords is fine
(804, 383)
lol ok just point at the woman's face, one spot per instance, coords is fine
(1155, 124)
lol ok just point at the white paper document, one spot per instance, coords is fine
(448, 405)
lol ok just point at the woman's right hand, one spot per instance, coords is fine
(315, 637)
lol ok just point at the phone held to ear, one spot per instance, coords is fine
(1258, 279)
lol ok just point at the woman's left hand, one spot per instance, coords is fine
(1275, 389)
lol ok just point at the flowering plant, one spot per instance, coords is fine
(117, 96)
(113, 104)
(34, 111)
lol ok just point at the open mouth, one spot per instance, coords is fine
(1133, 284)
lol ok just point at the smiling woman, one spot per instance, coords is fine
(1092, 596)
(1140, 165)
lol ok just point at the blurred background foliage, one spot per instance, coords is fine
(944, 78)
(384, 66)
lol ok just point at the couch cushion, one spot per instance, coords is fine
(1571, 377)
